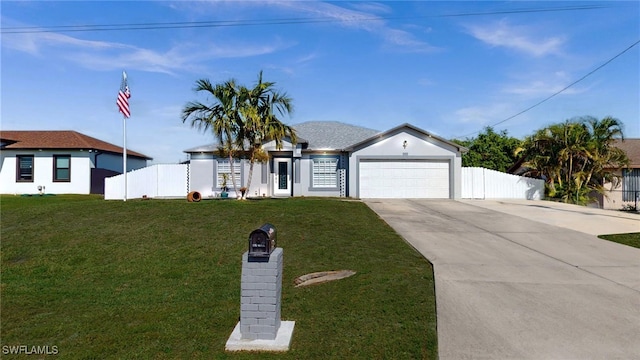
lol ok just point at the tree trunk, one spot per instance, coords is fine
(233, 176)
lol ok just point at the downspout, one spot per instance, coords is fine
(95, 157)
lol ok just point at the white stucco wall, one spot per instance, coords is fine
(43, 173)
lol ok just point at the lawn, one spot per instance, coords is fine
(160, 279)
(631, 239)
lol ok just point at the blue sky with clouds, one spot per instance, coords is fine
(449, 67)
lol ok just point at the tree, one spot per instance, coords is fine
(490, 150)
(242, 119)
(222, 117)
(575, 157)
(261, 122)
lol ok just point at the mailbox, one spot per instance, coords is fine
(262, 241)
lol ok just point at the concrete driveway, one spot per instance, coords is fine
(508, 287)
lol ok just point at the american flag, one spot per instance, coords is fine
(123, 97)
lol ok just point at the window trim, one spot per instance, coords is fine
(312, 185)
(33, 168)
(237, 167)
(55, 167)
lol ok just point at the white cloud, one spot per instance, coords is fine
(103, 55)
(361, 20)
(537, 85)
(35, 43)
(519, 38)
(483, 115)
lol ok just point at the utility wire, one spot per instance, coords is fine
(257, 22)
(556, 93)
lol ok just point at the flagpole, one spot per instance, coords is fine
(124, 155)
(123, 105)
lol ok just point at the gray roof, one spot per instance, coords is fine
(203, 148)
(323, 135)
(319, 135)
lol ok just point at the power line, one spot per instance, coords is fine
(558, 92)
(257, 22)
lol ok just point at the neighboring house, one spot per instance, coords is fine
(337, 159)
(59, 162)
(628, 192)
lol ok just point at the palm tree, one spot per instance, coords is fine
(222, 117)
(576, 157)
(259, 109)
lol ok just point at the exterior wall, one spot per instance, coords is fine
(202, 175)
(43, 173)
(613, 199)
(258, 187)
(303, 177)
(418, 147)
(113, 162)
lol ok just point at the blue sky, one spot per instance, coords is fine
(450, 67)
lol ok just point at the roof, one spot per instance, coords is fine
(414, 128)
(62, 139)
(632, 148)
(209, 148)
(332, 135)
(335, 135)
(318, 135)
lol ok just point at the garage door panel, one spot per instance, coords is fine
(404, 179)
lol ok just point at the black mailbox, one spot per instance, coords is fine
(262, 241)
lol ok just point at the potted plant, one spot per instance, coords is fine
(224, 186)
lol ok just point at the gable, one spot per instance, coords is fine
(407, 138)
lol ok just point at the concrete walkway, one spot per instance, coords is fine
(512, 288)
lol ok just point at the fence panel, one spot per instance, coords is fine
(481, 183)
(161, 180)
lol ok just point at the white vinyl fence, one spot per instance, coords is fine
(155, 181)
(481, 183)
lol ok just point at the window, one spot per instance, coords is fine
(24, 170)
(62, 168)
(325, 173)
(630, 184)
(224, 168)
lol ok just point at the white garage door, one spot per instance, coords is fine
(404, 179)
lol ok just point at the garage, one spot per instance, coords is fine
(382, 178)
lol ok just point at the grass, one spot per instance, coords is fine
(631, 239)
(160, 279)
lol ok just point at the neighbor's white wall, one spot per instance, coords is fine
(43, 173)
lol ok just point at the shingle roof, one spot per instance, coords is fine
(59, 140)
(323, 135)
(632, 148)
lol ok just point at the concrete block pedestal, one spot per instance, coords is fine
(260, 327)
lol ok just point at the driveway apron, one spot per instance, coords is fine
(511, 288)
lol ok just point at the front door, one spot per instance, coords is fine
(282, 177)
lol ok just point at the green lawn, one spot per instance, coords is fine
(631, 239)
(161, 278)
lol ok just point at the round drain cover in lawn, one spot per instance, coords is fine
(322, 277)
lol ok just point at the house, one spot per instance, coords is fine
(337, 159)
(628, 191)
(59, 162)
